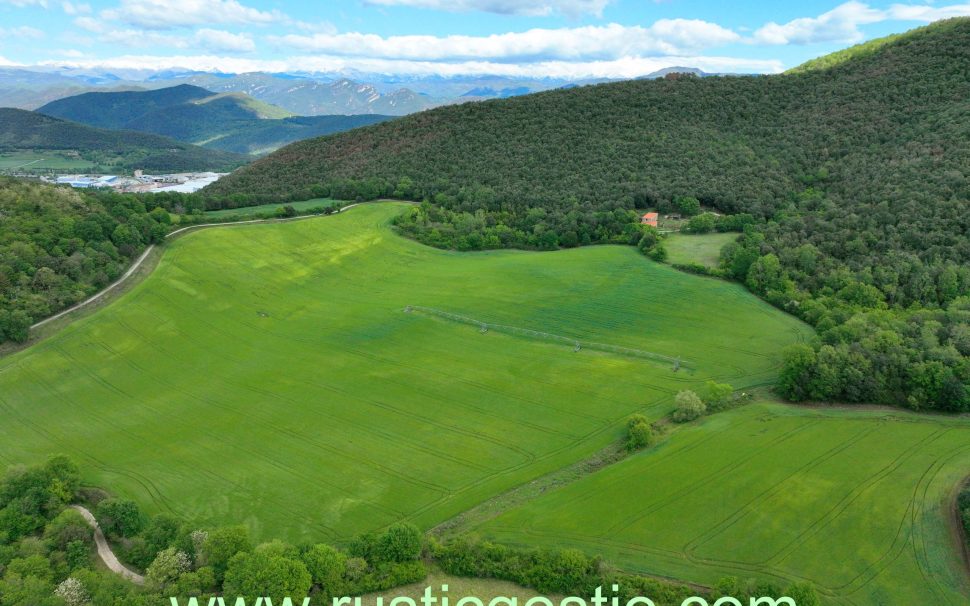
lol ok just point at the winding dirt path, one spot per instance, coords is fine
(134, 266)
(104, 550)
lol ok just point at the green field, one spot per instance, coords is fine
(34, 161)
(268, 373)
(249, 211)
(703, 249)
(856, 502)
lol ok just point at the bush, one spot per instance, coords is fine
(400, 543)
(119, 517)
(689, 407)
(255, 574)
(222, 544)
(639, 433)
(68, 527)
(701, 224)
(167, 567)
(717, 396)
(326, 566)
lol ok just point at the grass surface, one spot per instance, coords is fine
(255, 210)
(41, 161)
(703, 249)
(854, 501)
(267, 374)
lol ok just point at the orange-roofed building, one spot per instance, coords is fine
(650, 219)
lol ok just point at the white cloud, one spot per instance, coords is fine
(222, 41)
(131, 38)
(922, 12)
(625, 67)
(24, 32)
(840, 24)
(76, 9)
(667, 36)
(205, 38)
(23, 3)
(571, 8)
(169, 14)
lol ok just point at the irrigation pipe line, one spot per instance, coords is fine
(577, 344)
(138, 263)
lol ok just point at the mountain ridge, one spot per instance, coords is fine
(25, 130)
(228, 121)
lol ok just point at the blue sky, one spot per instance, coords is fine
(561, 38)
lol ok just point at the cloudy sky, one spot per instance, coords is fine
(561, 38)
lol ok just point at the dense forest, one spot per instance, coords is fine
(118, 150)
(854, 169)
(59, 246)
(48, 557)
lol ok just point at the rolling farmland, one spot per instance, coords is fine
(268, 374)
(854, 501)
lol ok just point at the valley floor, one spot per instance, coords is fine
(269, 374)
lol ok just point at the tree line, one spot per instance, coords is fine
(59, 246)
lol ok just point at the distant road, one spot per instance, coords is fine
(134, 266)
(104, 550)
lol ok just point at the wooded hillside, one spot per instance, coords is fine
(856, 175)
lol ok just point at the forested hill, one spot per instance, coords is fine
(117, 109)
(856, 175)
(733, 142)
(24, 130)
(233, 122)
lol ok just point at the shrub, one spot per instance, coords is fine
(400, 543)
(326, 566)
(717, 396)
(639, 433)
(120, 517)
(689, 407)
(222, 544)
(167, 567)
(255, 574)
(72, 591)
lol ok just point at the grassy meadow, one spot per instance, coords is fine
(249, 211)
(703, 249)
(268, 374)
(33, 161)
(857, 502)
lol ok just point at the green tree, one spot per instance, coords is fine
(798, 368)
(717, 395)
(688, 205)
(804, 594)
(399, 543)
(255, 574)
(168, 566)
(119, 517)
(326, 566)
(765, 274)
(702, 224)
(689, 407)
(640, 434)
(222, 544)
